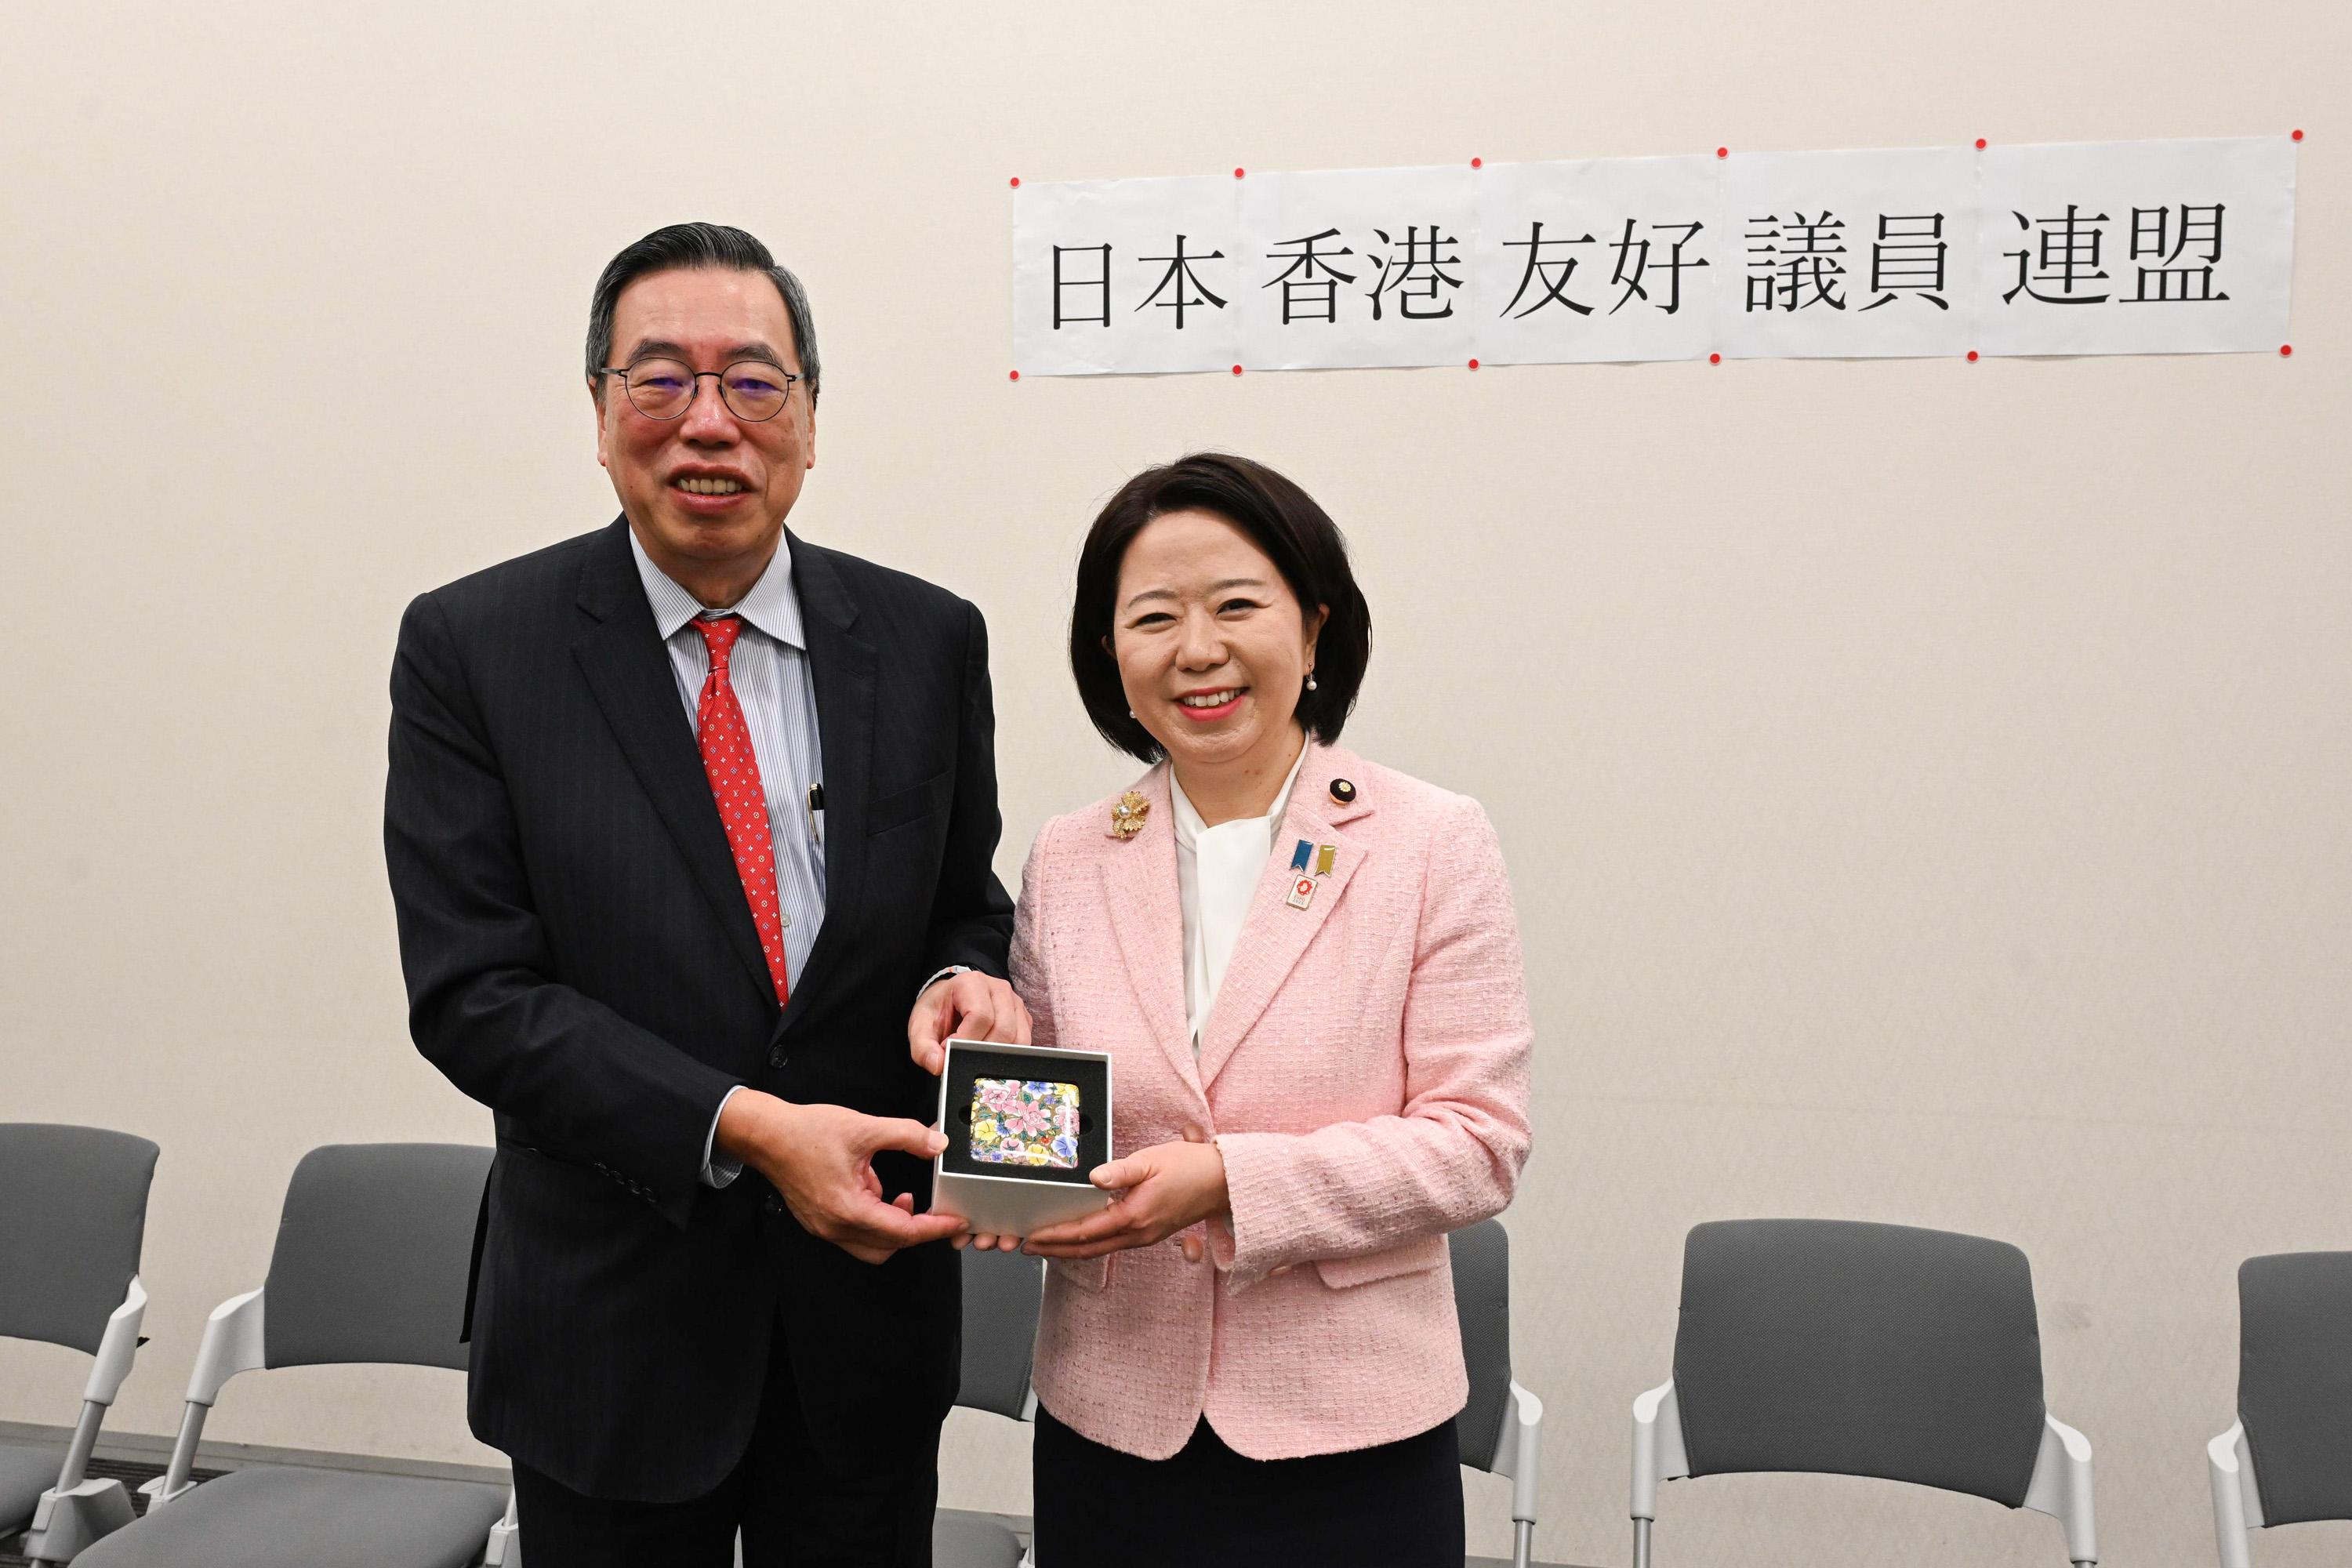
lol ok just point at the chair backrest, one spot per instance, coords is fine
(373, 1249)
(2294, 1382)
(1862, 1350)
(1002, 1293)
(1482, 1302)
(73, 1210)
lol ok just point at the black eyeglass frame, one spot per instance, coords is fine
(790, 378)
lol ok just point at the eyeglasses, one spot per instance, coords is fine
(754, 390)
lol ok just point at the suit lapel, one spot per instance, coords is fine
(628, 670)
(843, 667)
(1146, 919)
(1275, 935)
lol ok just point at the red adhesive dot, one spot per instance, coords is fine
(1474, 364)
(1723, 152)
(1715, 359)
(1972, 356)
(2286, 350)
(2298, 135)
(1237, 174)
(1016, 182)
(1016, 376)
(1237, 370)
(1980, 143)
(1481, 163)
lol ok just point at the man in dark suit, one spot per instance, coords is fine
(684, 816)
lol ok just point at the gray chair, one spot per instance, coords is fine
(73, 1217)
(1002, 1293)
(2294, 1400)
(373, 1247)
(1500, 1431)
(1832, 1347)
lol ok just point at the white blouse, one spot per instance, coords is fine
(1217, 873)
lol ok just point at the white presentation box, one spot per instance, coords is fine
(1024, 1125)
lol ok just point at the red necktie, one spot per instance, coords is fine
(734, 772)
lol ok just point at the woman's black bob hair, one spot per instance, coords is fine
(1281, 519)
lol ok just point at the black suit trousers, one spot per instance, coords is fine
(800, 1499)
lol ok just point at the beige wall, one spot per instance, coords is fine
(1924, 784)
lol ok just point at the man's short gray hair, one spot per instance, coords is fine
(691, 245)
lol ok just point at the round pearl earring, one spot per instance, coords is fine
(1310, 681)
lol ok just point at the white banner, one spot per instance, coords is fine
(2112, 247)
(1850, 255)
(2135, 246)
(1613, 258)
(1358, 266)
(1128, 275)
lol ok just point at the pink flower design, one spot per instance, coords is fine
(1025, 1123)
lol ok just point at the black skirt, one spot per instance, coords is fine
(1399, 1505)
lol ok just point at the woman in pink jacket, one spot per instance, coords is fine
(1306, 971)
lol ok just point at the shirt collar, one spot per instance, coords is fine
(1190, 824)
(771, 606)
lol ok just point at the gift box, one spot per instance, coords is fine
(1024, 1126)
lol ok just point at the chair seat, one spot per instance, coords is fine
(960, 1540)
(268, 1517)
(25, 1475)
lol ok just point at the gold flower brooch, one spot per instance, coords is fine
(1127, 817)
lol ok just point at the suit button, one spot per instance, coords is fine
(776, 1057)
(772, 1204)
(1192, 1133)
(1191, 1249)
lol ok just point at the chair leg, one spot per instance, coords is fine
(85, 1438)
(71, 1518)
(174, 1482)
(1641, 1544)
(504, 1547)
(1523, 1544)
(78, 1510)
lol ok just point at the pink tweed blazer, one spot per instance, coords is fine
(1365, 1074)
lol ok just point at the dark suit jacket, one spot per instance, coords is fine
(581, 958)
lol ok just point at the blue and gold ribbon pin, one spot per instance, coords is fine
(1302, 886)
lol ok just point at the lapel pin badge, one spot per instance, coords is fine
(1302, 885)
(1127, 817)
